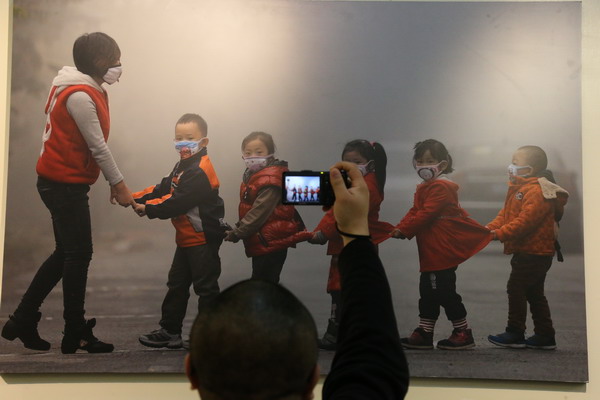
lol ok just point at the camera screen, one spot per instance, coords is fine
(302, 189)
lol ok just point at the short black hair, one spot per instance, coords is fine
(437, 151)
(254, 340)
(536, 157)
(264, 137)
(93, 53)
(195, 118)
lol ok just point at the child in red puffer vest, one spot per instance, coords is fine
(267, 227)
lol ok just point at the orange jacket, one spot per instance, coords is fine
(526, 224)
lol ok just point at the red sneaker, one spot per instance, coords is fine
(419, 340)
(460, 339)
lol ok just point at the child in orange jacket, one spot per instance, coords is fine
(446, 237)
(526, 226)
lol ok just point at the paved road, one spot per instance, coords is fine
(127, 283)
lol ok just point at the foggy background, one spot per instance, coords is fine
(483, 78)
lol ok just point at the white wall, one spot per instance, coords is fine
(134, 387)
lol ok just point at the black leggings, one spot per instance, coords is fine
(70, 212)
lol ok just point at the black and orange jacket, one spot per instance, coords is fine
(190, 197)
(66, 157)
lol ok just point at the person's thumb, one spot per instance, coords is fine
(337, 182)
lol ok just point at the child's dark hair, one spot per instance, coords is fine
(195, 118)
(372, 151)
(92, 52)
(536, 157)
(264, 137)
(437, 151)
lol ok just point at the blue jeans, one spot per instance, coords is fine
(69, 209)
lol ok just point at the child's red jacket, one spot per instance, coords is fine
(526, 224)
(379, 230)
(446, 236)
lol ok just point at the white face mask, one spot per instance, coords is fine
(514, 170)
(256, 163)
(187, 148)
(428, 172)
(113, 74)
(364, 168)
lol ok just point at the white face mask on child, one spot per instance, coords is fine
(514, 170)
(187, 148)
(429, 172)
(365, 168)
(256, 163)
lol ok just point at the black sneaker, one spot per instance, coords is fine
(540, 342)
(460, 339)
(26, 332)
(162, 338)
(511, 340)
(418, 340)
(81, 337)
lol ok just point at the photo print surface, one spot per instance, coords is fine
(482, 78)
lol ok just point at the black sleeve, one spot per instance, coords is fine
(369, 362)
(190, 191)
(157, 191)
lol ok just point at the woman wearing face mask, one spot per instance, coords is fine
(446, 237)
(267, 227)
(371, 159)
(73, 154)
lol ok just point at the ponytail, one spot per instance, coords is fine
(380, 160)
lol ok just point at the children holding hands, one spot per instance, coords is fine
(446, 236)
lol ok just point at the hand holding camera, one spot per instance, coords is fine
(351, 205)
(302, 188)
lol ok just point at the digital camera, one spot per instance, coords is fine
(303, 188)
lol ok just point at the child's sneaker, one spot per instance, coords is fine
(540, 342)
(460, 339)
(162, 338)
(512, 340)
(419, 339)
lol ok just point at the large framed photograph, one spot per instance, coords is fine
(482, 78)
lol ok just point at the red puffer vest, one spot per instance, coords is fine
(283, 229)
(65, 156)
